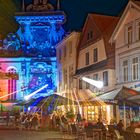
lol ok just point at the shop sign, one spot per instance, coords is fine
(4, 76)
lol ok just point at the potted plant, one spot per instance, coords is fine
(70, 115)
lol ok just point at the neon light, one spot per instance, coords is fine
(98, 84)
(33, 93)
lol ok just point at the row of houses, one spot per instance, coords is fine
(107, 49)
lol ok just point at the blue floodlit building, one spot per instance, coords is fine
(30, 52)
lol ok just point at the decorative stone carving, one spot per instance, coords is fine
(11, 42)
(39, 6)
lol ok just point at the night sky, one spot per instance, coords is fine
(76, 11)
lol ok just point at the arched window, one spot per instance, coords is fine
(12, 85)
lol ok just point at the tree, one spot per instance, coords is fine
(7, 21)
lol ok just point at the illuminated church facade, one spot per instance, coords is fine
(30, 53)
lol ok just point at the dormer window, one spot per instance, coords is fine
(129, 34)
(89, 35)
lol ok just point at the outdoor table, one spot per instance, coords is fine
(99, 132)
(110, 136)
(137, 135)
(137, 130)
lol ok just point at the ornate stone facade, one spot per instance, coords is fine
(31, 51)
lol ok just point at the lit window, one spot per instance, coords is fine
(125, 71)
(87, 58)
(135, 68)
(95, 55)
(129, 34)
(105, 78)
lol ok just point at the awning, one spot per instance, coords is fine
(58, 99)
(126, 93)
(109, 96)
(119, 96)
(135, 99)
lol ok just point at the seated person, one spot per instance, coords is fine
(120, 127)
(131, 128)
(100, 125)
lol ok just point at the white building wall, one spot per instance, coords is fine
(125, 51)
(101, 54)
(67, 61)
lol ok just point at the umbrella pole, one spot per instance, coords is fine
(130, 114)
(124, 115)
(139, 110)
(41, 112)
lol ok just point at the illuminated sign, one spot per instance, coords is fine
(8, 76)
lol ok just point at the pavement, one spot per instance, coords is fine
(7, 133)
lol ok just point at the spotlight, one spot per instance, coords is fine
(1, 97)
(30, 95)
(98, 84)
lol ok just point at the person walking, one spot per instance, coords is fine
(120, 127)
(7, 118)
(35, 122)
(78, 118)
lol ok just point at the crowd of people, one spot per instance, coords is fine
(24, 120)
